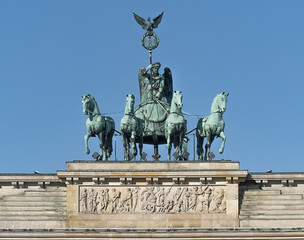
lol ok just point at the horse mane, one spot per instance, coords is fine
(132, 107)
(213, 105)
(90, 96)
(94, 102)
(172, 105)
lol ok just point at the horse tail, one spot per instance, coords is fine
(109, 132)
(199, 127)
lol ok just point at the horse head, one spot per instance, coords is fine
(219, 103)
(177, 101)
(89, 105)
(86, 102)
(130, 104)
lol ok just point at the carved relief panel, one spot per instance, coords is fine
(157, 200)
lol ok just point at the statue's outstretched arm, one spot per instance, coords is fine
(148, 68)
(143, 71)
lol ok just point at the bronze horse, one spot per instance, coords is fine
(131, 129)
(212, 126)
(98, 125)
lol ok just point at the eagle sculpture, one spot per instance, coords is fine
(148, 25)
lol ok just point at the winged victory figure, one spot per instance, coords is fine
(148, 25)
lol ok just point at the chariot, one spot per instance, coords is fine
(153, 115)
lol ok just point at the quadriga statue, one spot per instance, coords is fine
(98, 125)
(176, 125)
(212, 126)
(131, 129)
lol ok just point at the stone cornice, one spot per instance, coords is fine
(285, 178)
(164, 233)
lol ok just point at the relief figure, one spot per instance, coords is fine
(106, 199)
(177, 199)
(186, 196)
(127, 204)
(169, 206)
(149, 200)
(222, 207)
(102, 200)
(115, 200)
(84, 201)
(193, 198)
(217, 201)
(206, 199)
(96, 202)
(91, 201)
(135, 198)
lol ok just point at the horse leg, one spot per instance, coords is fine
(199, 147)
(111, 149)
(169, 144)
(180, 143)
(207, 146)
(175, 145)
(177, 148)
(101, 138)
(169, 151)
(134, 148)
(210, 140)
(140, 146)
(126, 147)
(110, 138)
(185, 145)
(107, 148)
(86, 138)
(222, 135)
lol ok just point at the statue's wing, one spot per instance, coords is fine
(142, 84)
(141, 21)
(168, 79)
(168, 88)
(157, 20)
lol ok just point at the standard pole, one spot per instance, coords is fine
(155, 156)
(150, 55)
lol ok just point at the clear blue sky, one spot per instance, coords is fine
(53, 52)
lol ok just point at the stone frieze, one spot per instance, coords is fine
(156, 200)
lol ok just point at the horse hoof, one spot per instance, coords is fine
(88, 151)
(221, 151)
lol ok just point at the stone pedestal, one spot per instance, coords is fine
(152, 194)
(140, 200)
